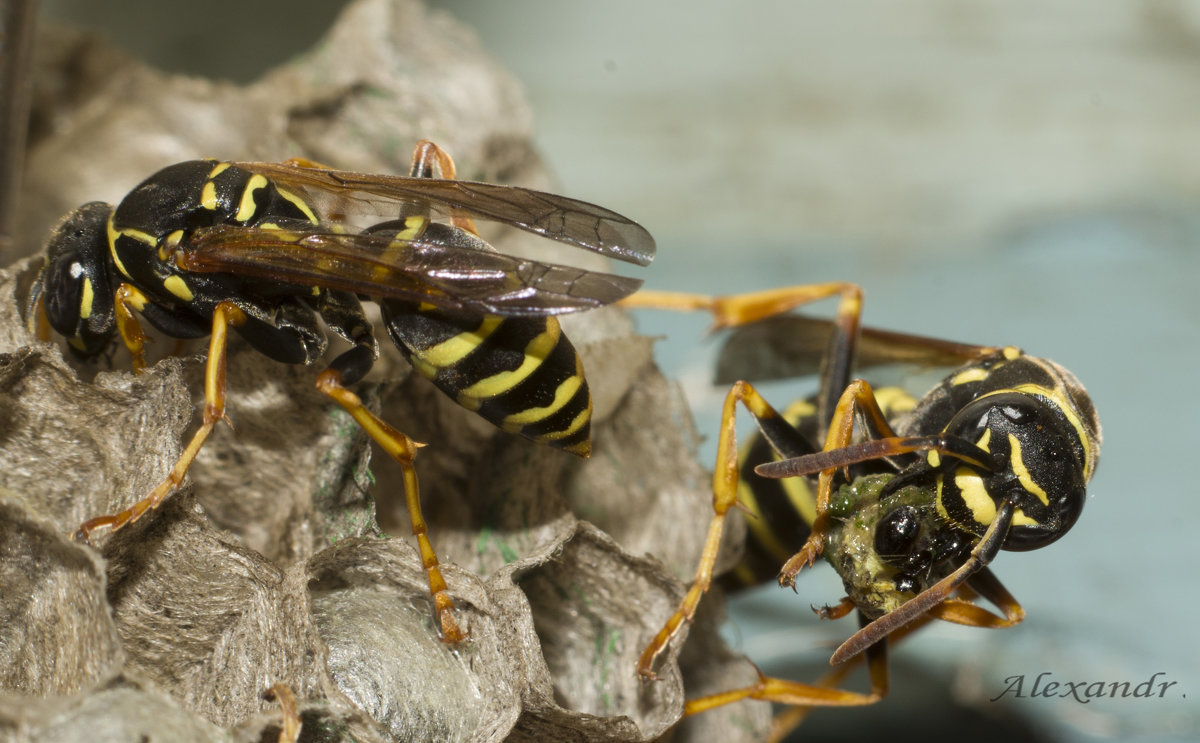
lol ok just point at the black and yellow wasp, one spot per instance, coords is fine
(913, 498)
(270, 250)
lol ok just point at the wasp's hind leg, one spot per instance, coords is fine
(735, 310)
(427, 154)
(344, 315)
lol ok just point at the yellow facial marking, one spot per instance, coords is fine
(975, 495)
(247, 208)
(934, 459)
(1022, 472)
(178, 287)
(112, 249)
(535, 353)
(86, 299)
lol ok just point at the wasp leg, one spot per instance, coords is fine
(985, 584)
(425, 155)
(725, 492)
(403, 449)
(225, 315)
(857, 398)
(793, 693)
(789, 719)
(129, 296)
(343, 312)
(741, 309)
(843, 607)
(290, 730)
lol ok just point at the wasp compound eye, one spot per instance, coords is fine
(906, 583)
(897, 532)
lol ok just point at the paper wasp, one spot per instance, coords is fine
(913, 499)
(270, 250)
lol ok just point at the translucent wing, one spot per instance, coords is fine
(791, 346)
(339, 195)
(378, 266)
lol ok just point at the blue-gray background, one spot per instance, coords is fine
(994, 172)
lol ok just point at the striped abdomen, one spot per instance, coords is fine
(520, 373)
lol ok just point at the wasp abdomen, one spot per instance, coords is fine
(520, 373)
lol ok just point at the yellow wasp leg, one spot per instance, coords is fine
(289, 732)
(725, 488)
(789, 719)
(128, 298)
(225, 315)
(403, 449)
(857, 397)
(424, 156)
(740, 309)
(966, 613)
(803, 696)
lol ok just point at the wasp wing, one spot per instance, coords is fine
(379, 266)
(339, 194)
(791, 346)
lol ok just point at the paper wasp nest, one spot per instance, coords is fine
(286, 557)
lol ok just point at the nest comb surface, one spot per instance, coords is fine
(270, 564)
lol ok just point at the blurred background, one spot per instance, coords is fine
(993, 172)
